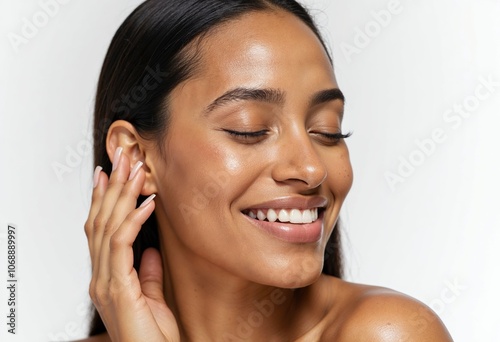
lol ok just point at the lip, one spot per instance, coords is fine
(292, 232)
(301, 203)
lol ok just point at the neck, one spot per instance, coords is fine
(209, 303)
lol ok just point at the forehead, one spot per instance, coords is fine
(263, 39)
(264, 49)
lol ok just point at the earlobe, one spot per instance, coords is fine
(149, 186)
(123, 134)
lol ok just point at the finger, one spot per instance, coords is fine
(100, 185)
(151, 274)
(125, 205)
(121, 254)
(117, 180)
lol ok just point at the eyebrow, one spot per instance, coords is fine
(270, 95)
(245, 94)
(327, 96)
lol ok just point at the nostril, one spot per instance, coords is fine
(300, 165)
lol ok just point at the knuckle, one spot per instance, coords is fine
(88, 227)
(116, 287)
(133, 219)
(109, 228)
(99, 221)
(116, 183)
(129, 191)
(92, 290)
(116, 242)
(101, 296)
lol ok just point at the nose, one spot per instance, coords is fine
(298, 163)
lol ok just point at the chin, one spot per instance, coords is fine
(299, 274)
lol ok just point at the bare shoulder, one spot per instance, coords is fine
(369, 313)
(97, 338)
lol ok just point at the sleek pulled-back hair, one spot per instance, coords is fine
(153, 51)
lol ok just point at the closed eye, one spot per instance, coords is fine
(251, 134)
(331, 138)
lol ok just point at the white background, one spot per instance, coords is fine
(432, 236)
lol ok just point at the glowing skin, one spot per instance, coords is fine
(219, 175)
(221, 195)
(214, 176)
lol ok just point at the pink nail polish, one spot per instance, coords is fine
(116, 157)
(135, 169)
(147, 200)
(97, 171)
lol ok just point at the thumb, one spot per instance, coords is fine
(151, 274)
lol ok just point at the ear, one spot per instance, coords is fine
(123, 134)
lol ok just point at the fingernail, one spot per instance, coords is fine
(97, 171)
(116, 157)
(135, 169)
(147, 200)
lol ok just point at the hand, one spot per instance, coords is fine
(131, 306)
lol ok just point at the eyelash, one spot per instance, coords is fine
(335, 136)
(248, 135)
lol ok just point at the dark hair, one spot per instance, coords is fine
(156, 42)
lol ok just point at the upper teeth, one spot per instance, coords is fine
(285, 215)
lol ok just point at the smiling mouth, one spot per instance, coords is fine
(294, 216)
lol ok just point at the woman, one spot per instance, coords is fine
(229, 113)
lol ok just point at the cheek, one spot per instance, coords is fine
(204, 176)
(340, 175)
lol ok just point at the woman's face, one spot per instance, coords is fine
(246, 139)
